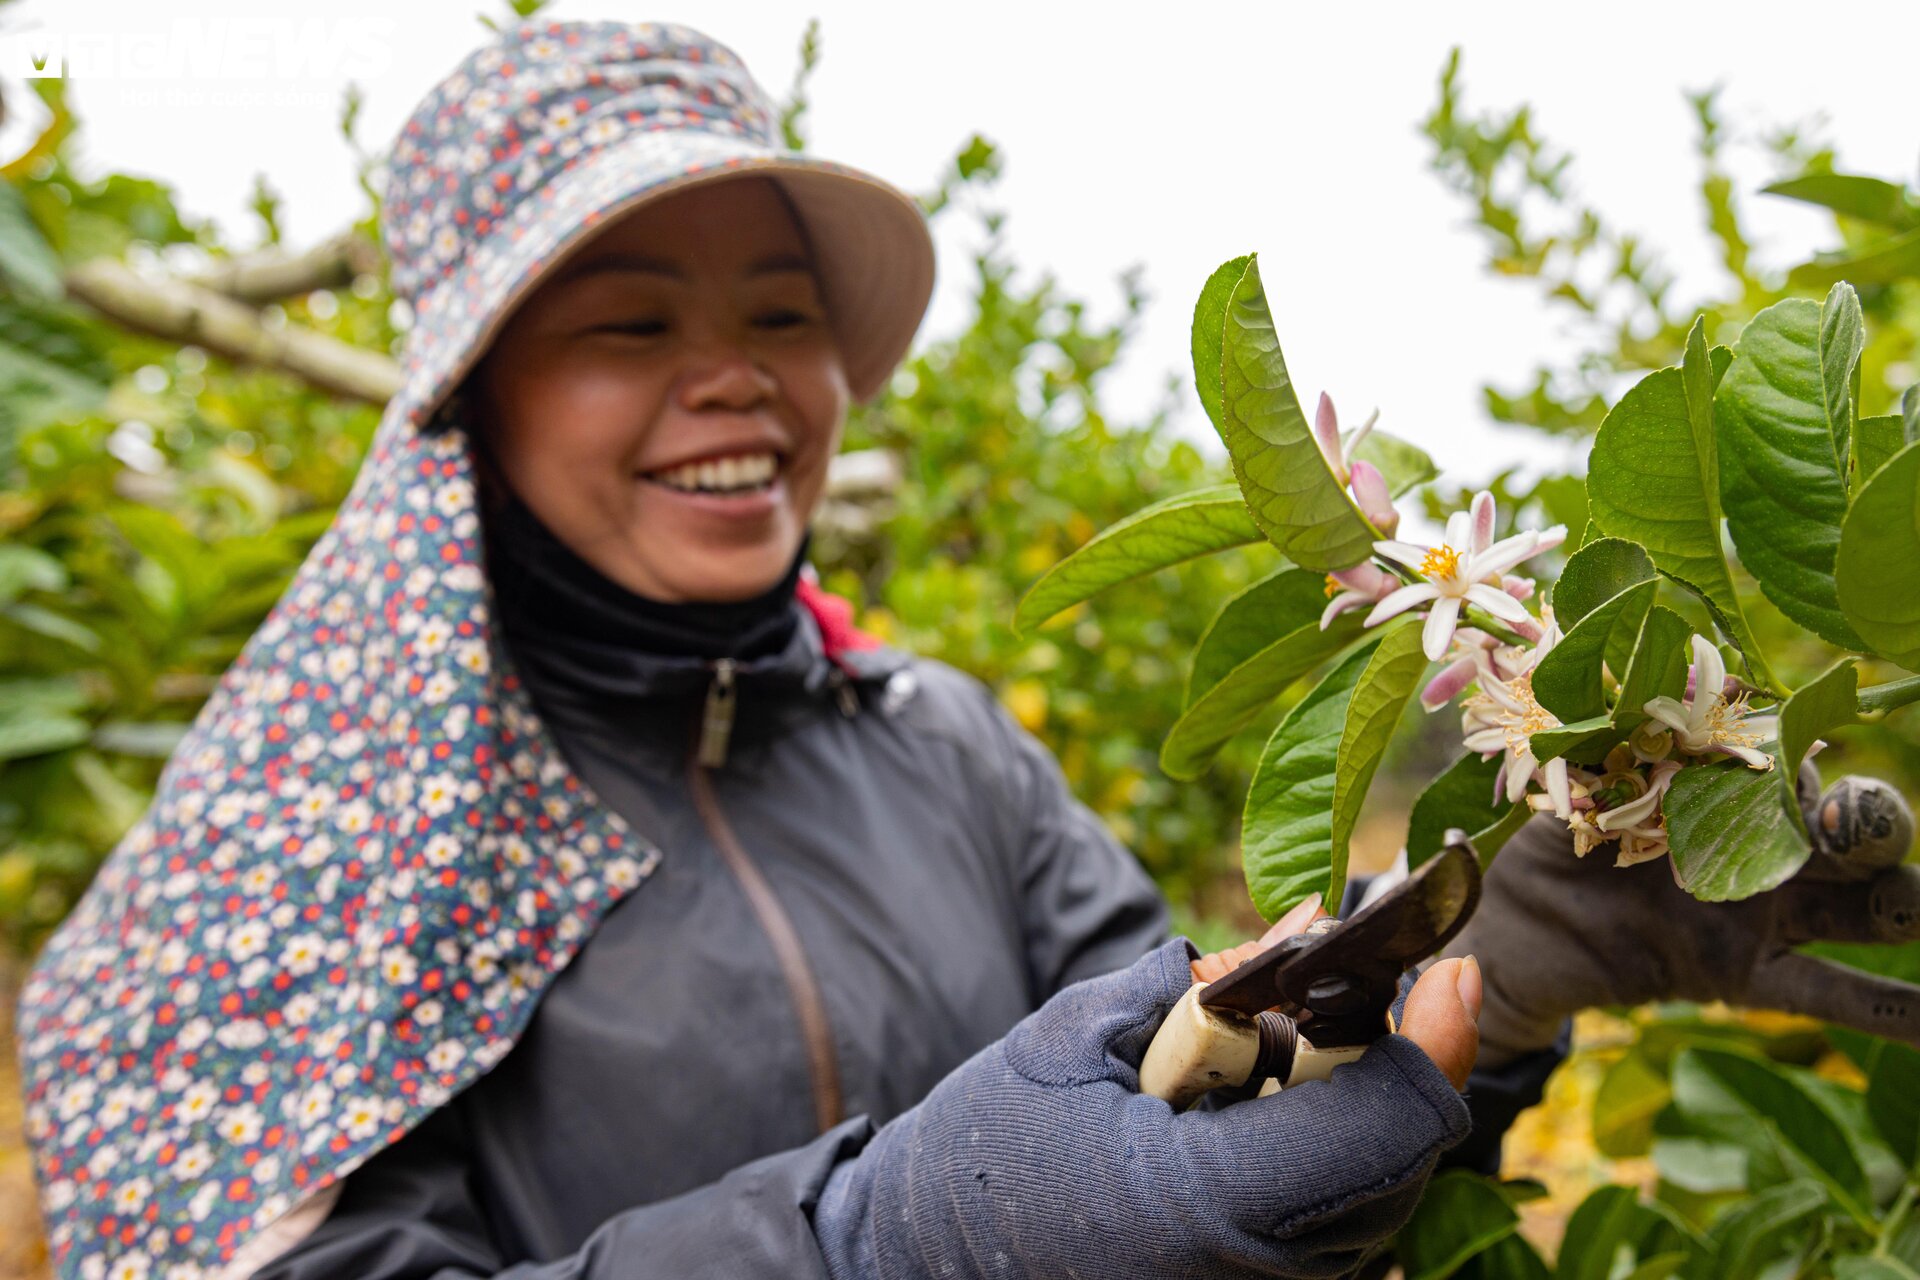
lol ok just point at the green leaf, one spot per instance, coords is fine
(1243, 693)
(1462, 797)
(1866, 199)
(1658, 668)
(1875, 441)
(1209, 320)
(1700, 1165)
(1489, 841)
(1863, 1267)
(1910, 413)
(1274, 607)
(1744, 1238)
(1573, 740)
(1166, 533)
(26, 259)
(1733, 830)
(1893, 1098)
(1458, 1218)
(1877, 572)
(1897, 258)
(1631, 1093)
(1733, 1088)
(1824, 704)
(39, 714)
(1509, 1259)
(1568, 680)
(1402, 465)
(24, 569)
(1287, 829)
(1292, 494)
(1784, 492)
(1654, 477)
(1842, 338)
(1597, 1232)
(1378, 700)
(1595, 574)
(153, 739)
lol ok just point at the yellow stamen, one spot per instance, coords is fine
(1334, 586)
(1440, 562)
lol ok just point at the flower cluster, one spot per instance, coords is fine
(1491, 658)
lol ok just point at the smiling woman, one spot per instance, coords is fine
(667, 404)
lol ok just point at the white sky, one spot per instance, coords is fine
(1119, 133)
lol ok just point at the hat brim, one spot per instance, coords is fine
(870, 244)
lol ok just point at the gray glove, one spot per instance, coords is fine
(1038, 1157)
(1556, 933)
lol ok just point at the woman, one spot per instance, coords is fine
(558, 885)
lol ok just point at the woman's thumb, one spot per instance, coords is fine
(1442, 1016)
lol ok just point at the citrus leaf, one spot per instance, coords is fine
(1488, 841)
(1893, 1098)
(24, 569)
(1605, 1222)
(1378, 701)
(1654, 477)
(1910, 413)
(1402, 465)
(1568, 680)
(1867, 199)
(1460, 1216)
(1877, 440)
(1888, 260)
(1461, 797)
(1878, 568)
(1744, 1235)
(1731, 1087)
(1784, 492)
(1734, 831)
(1243, 693)
(1575, 740)
(1816, 709)
(1631, 1093)
(1287, 829)
(1209, 319)
(1658, 667)
(1273, 607)
(1842, 338)
(1595, 574)
(1865, 1267)
(1166, 533)
(1292, 494)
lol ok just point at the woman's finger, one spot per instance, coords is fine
(1442, 1016)
(1210, 968)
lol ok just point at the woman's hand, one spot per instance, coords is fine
(1040, 1157)
(1557, 933)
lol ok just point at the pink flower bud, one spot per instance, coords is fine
(1375, 501)
(1326, 429)
(1517, 587)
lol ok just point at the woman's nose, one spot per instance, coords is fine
(725, 376)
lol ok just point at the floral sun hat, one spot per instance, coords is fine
(367, 858)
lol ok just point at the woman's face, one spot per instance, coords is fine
(668, 400)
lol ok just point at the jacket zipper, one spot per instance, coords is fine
(716, 726)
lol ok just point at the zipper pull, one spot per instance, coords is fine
(843, 689)
(716, 721)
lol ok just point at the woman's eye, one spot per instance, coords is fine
(784, 318)
(637, 328)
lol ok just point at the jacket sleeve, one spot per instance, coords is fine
(413, 1212)
(1088, 905)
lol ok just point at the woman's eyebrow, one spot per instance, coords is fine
(611, 262)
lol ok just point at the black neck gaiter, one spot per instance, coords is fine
(546, 591)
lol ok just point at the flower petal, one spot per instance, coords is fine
(1340, 604)
(1401, 601)
(1326, 430)
(1559, 789)
(1483, 514)
(1446, 686)
(1402, 553)
(1501, 556)
(1370, 493)
(1497, 602)
(1441, 620)
(1668, 712)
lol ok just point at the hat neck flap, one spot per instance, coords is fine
(360, 870)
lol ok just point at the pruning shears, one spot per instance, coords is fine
(1339, 980)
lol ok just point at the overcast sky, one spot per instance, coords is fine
(1173, 143)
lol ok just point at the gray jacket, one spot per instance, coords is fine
(885, 874)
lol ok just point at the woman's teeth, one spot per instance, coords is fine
(742, 474)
